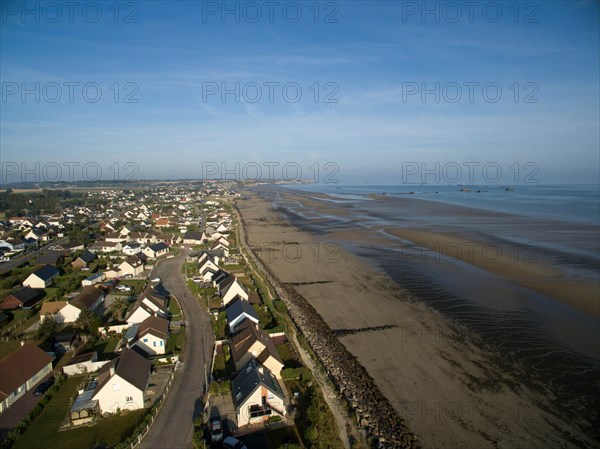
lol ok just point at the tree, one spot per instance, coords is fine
(47, 327)
(118, 308)
(89, 322)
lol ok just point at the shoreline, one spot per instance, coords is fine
(439, 377)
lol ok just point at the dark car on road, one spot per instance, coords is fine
(41, 388)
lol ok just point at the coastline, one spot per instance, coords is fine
(450, 388)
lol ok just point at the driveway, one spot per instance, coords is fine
(173, 428)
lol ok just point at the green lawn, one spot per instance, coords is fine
(175, 343)
(43, 432)
(105, 347)
(174, 310)
(137, 284)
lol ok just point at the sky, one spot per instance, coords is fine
(352, 92)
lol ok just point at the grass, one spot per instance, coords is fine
(137, 284)
(222, 368)
(105, 347)
(6, 347)
(175, 343)
(174, 310)
(287, 356)
(44, 431)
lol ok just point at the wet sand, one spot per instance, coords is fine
(454, 390)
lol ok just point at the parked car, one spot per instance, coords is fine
(233, 443)
(41, 388)
(216, 430)
(157, 279)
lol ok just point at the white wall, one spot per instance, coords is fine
(117, 393)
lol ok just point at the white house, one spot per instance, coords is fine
(132, 266)
(89, 298)
(251, 342)
(42, 277)
(132, 248)
(231, 288)
(152, 302)
(94, 279)
(122, 383)
(152, 335)
(257, 395)
(156, 250)
(22, 370)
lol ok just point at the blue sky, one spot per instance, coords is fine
(374, 58)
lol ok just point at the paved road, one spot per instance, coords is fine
(173, 428)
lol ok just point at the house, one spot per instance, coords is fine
(230, 288)
(113, 237)
(162, 223)
(25, 298)
(106, 247)
(65, 342)
(122, 383)
(22, 370)
(132, 266)
(42, 277)
(207, 273)
(83, 363)
(218, 277)
(193, 238)
(156, 250)
(239, 311)
(132, 248)
(84, 260)
(89, 298)
(257, 394)
(55, 258)
(94, 279)
(35, 235)
(152, 334)
(206, 260)
(251, 342)
(53, 309)
(221, 247)
(13, 244)
(152, 302)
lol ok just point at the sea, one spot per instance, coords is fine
(558, 345)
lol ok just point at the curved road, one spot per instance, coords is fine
(173, 427)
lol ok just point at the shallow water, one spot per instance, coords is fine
(559, 346)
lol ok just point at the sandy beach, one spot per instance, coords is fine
(454, 390)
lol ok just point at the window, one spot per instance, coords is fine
(145, 340)
(154, 344)
(161, 343)
(129, 398)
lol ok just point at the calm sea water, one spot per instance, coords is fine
(576, 203)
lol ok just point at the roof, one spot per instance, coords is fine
(46, 272)
(250, 378)
(239, 307)
(82, 358)
(20, 366)
(246, 337)
(50, 257)
(192, 235)
(85, 400)
(87, 256)
(52, 307)
(87, 297)
(27, 294)
(131, 332)
(159, 247)
(130, 366)
(154, 324)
